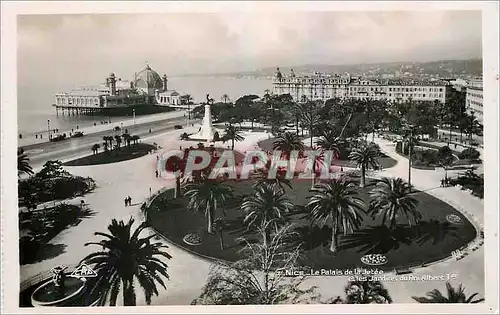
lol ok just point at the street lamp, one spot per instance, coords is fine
(48, 128)
(133, 115)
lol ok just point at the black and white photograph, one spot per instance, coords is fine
(224, 154)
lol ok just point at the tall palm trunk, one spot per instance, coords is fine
(313, 174)
(363, 172)
(210, 219)
(177, 188)
(221, 240)
(297, 125)
(232, 144)
(345, 125)
(333, 245)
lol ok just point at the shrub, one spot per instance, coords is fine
(184, 136)
(470, 154)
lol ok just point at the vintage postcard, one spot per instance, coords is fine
(250, 157)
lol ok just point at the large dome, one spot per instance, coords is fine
(148, 79)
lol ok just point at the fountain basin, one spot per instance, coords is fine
(48, 294)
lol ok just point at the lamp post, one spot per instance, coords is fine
(48, 128)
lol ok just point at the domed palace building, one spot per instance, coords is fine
(146, 88)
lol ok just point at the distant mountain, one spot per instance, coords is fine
(441, 68)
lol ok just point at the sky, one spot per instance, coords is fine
(88, 47)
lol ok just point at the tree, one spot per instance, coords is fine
(105, 146)
(207, 194)
(329, 141)
(254, 280)
(453, 296)
(23, 165)
(52, 169)
(95, 148)
(176, 164)
(445, 158)
(135, 139)
(391, 198)
(232, 133)
(127, 138)
(224, 98)
(288, 142)
(310, 117)
(262, 176)
(267, 207)
(126, 257)
(365, 157)
(366, 292)
(220, 225)
(335, 203)
(118, 140)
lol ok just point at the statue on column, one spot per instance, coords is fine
(210, 101)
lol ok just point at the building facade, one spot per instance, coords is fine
(324, 87)
(147, 87)
(474, 98)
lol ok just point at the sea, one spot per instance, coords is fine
(34, 108)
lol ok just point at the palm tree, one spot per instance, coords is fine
(232, 133)
(266, 207)
(365, 157)
(220, 225)
(445, 159)
(288, 142)
(390, 198)
(207, 194)
(329, 141)
(95, 148)
(366, 292)
(118, 141)
(454, 296)
(176, 164)
(127, 138)
(262, 176)
(108, 139)
(105, 146)
(126, 257)
(136, 138)
(309, 117)
(225, 98)
(335, 202)
(23, 165)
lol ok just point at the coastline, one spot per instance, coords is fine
(88, 130)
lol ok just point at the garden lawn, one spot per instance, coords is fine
(384, 160)
(405, 247)
(116, 155)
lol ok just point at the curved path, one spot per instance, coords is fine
(188, 273)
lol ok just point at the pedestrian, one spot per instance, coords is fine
(341, 168)
(441, 182)
(455, 145)
(36, 136)
(129, 200)
(126, 202)
(149, 130)
(156, 172)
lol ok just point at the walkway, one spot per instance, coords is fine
(188, 273)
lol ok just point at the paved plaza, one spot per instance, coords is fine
(188, 273)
